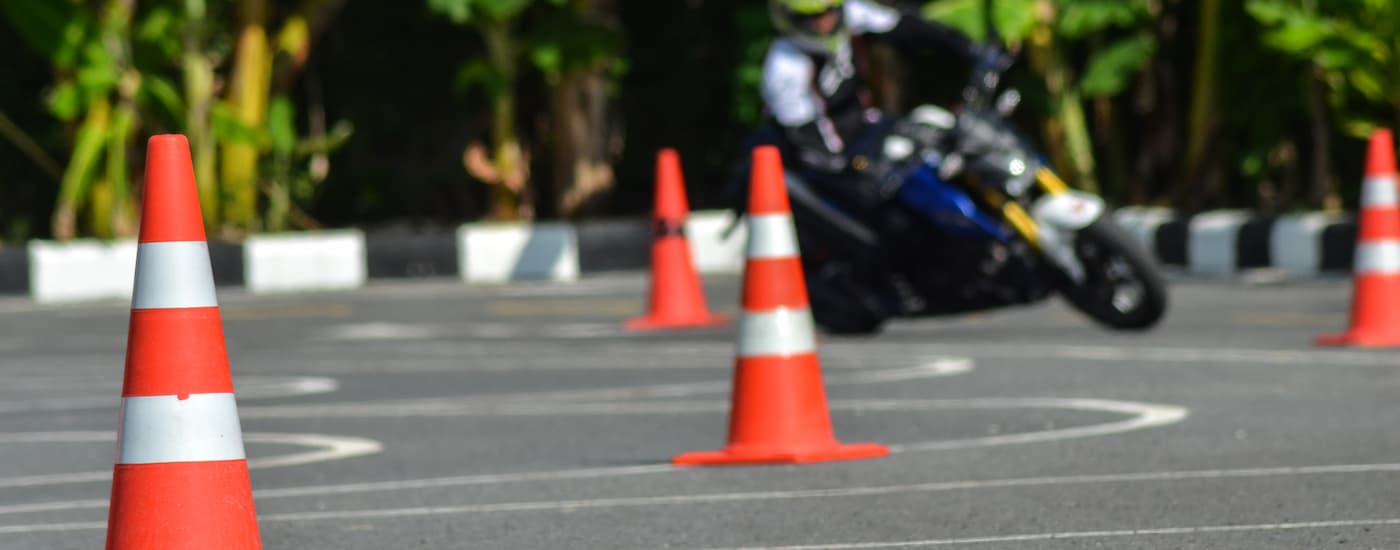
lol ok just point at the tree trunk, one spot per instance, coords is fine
(509, 196)
(1321, 192)
(76, 187)
(1203, 179)
(1115, 161)
(1156, 104)
(199, 98)
(582, 138)
(121, 210)
(248, 98)
(1067, 132)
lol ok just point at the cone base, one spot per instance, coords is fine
(1361, 339)
(658, 322)
(739, 456)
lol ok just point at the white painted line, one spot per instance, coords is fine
(1068, 535)
(57, 437)
(379, 331)
(269, 387)
(324, 448)
(51, 527)
(459, 481)
(759, 496)
(53, 506)
(1142, 416)
(866, 491)
(1074, 535)
(203, 427)
(41, 383)
(56, 479)
(709, 248)
(290, 262)
(1379, 191)
(81, 270)
(1378, 258)
(504, 252)
(772, 236)
(1212, 243)
(779, 332)
(173, 275)
(62, 404)
(524, 403)
(932, 369)
(248, 389)
(1327, 359)
(582, 331)
(381, 486)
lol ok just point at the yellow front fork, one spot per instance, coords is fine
(1017, 216)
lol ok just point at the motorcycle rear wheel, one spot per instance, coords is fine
(1123, 289)
(843, 306)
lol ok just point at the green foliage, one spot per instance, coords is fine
(753, 33)
(1355, 45)
(1110, 70)
(1014, 19)
(468, 11)
(100, 79)
(563, 42)
(1082, 18)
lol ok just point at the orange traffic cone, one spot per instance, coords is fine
(181, 478)
(778, 412)
(1375, 305)
(677, 300)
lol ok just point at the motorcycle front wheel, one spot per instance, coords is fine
(1122, 287)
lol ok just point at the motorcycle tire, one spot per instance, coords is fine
(843, 306)
(1123, 288)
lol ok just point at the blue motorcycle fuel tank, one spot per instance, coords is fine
(948, 206)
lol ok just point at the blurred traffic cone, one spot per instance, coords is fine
(677, 300)
(181, 478)
(778, 412)
(1375, 305)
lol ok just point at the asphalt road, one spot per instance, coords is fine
(432, 415)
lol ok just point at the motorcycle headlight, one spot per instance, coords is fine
(1019, 176)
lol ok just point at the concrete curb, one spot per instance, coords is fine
(1224, 243)
(477, 253)
(1210, 244)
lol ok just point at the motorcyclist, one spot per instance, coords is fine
(816, 96)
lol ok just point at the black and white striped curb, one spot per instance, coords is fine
(1225, 242)
(1217, 243)
(479, 253)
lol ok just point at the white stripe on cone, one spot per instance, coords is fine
(1378, 257)
(163, 428)
(779, 332)
(173, 275)
(772, 236)
(1379, 191)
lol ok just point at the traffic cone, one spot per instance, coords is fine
(181, 477)
(1375, 305)
(778, 410)
(677, 299)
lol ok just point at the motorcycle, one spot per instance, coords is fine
(971, 218)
